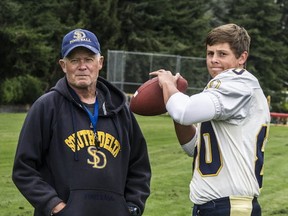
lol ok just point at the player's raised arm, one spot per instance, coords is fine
(185, 133)
(167, 82)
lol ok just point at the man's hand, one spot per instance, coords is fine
(58, 208)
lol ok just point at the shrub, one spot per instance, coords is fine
(21, 90)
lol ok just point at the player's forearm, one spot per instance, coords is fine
(184, 133)
(167, 82)
(168, 90)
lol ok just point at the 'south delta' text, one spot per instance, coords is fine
(85, 138)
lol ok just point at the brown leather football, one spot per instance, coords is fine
(148, 99)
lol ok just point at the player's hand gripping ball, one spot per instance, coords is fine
(148, 99)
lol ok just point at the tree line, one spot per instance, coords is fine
(31, 33)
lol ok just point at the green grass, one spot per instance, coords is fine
(11, 201)
(171, 170)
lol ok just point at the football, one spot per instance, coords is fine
(148, 99)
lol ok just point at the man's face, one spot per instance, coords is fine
(82, 68)
(220, 57)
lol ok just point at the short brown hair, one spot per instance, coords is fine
(237, 37)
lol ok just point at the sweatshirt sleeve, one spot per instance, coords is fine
(28, 163)
(139, 173)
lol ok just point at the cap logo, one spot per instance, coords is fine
(79, 36)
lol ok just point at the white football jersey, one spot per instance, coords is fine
(229, 154)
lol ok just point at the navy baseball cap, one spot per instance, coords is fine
(79, 38)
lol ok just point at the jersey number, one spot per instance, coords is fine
(210, 161)
(261, 137)
(209, 154)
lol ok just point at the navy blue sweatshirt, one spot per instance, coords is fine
(50, 167)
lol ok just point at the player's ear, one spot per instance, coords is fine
(243, 58)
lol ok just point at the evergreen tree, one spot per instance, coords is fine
(166, 26)
(162, 26)
(31, 33)
(9, 11)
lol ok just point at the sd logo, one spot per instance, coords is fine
(99, 158)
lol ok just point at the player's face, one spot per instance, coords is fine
(82, 68)
(220, 57)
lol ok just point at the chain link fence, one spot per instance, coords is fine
(128, 70)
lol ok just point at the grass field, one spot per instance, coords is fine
(170, 166)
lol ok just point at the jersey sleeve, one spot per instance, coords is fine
(227, 97)
(231, 92)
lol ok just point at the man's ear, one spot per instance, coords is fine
(63, 65)
(101, 62)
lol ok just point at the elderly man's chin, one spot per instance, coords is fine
(82, 85)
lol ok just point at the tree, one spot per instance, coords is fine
(31, 33)
(33, 39)
(173, 27)
(162, 26)
(28, 46)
